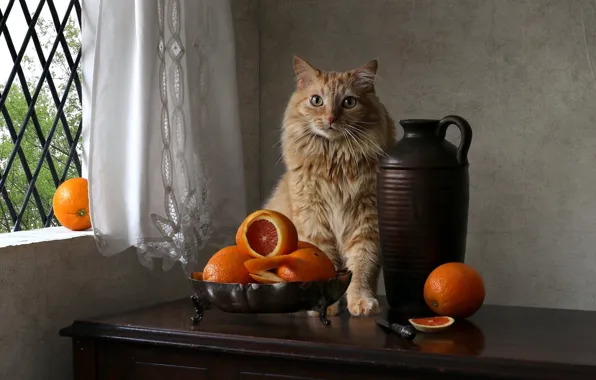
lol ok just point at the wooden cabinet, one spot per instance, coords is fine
(134, 361)
(498, 343)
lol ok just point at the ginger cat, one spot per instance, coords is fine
(334, 131)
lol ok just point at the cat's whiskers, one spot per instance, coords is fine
(358, 148)
(351, 150)
(371, 147)
(356, 133)
(357, 122)
(378, 148)
(359, 143)
(375, 146)
(281, 156)
(299, 130)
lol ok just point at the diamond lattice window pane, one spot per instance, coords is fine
(28, 178)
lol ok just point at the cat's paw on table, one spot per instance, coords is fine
(363, 306)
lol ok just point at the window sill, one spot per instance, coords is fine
(40, 236)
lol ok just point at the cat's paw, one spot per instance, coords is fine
(332, 311)
(363, 306)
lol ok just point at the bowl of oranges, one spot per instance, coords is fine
(268, 270)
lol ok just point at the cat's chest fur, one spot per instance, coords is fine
(331, 201)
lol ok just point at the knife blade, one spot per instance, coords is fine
(405, 331)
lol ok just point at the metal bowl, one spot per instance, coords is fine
(286, 297)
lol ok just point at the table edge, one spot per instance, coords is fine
(329, 352)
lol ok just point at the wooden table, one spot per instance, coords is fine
(498, 343)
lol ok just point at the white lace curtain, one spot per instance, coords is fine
(162, 138)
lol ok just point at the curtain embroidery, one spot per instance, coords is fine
(186, 226)
(176, 187)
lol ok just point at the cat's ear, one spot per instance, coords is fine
(305, 72)
(365, 75)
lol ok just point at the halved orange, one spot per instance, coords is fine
(431, 324)
(267, 233)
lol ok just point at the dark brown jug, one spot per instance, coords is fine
(423, 197)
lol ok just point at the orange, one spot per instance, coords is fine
(227, 266)
(267, 233)
(303, 265)
(304, 244)
(455, 290)
(71, 204)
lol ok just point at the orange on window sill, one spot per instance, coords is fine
(71, 204)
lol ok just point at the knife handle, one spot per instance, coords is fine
(405, 331)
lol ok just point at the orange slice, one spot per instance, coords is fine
(266, 233)
(431, 324)
(265, 277)
(307, 264)
(302, 265)
(265, 263)
(304, 244)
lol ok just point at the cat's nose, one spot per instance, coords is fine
(330, 119)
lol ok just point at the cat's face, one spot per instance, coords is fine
(335, 105)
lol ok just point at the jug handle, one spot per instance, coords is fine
(466, 135)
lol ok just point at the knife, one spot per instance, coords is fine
(405, 331)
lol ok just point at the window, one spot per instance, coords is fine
(40, 107)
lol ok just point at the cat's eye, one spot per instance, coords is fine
(316, 100)
(349, 102)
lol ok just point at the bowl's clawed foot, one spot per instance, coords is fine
(322, 314)
(199, 310)
(362, 306)
(197, 318)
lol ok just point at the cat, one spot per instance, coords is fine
(335, 130)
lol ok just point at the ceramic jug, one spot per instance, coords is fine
(423, 197)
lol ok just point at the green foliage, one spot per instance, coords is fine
(17, 107)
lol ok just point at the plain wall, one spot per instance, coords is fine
(46, 286)
(246, 34)
(519, 71)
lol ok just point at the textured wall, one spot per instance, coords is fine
(521, 73)
(246, 33)
(45, 286)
